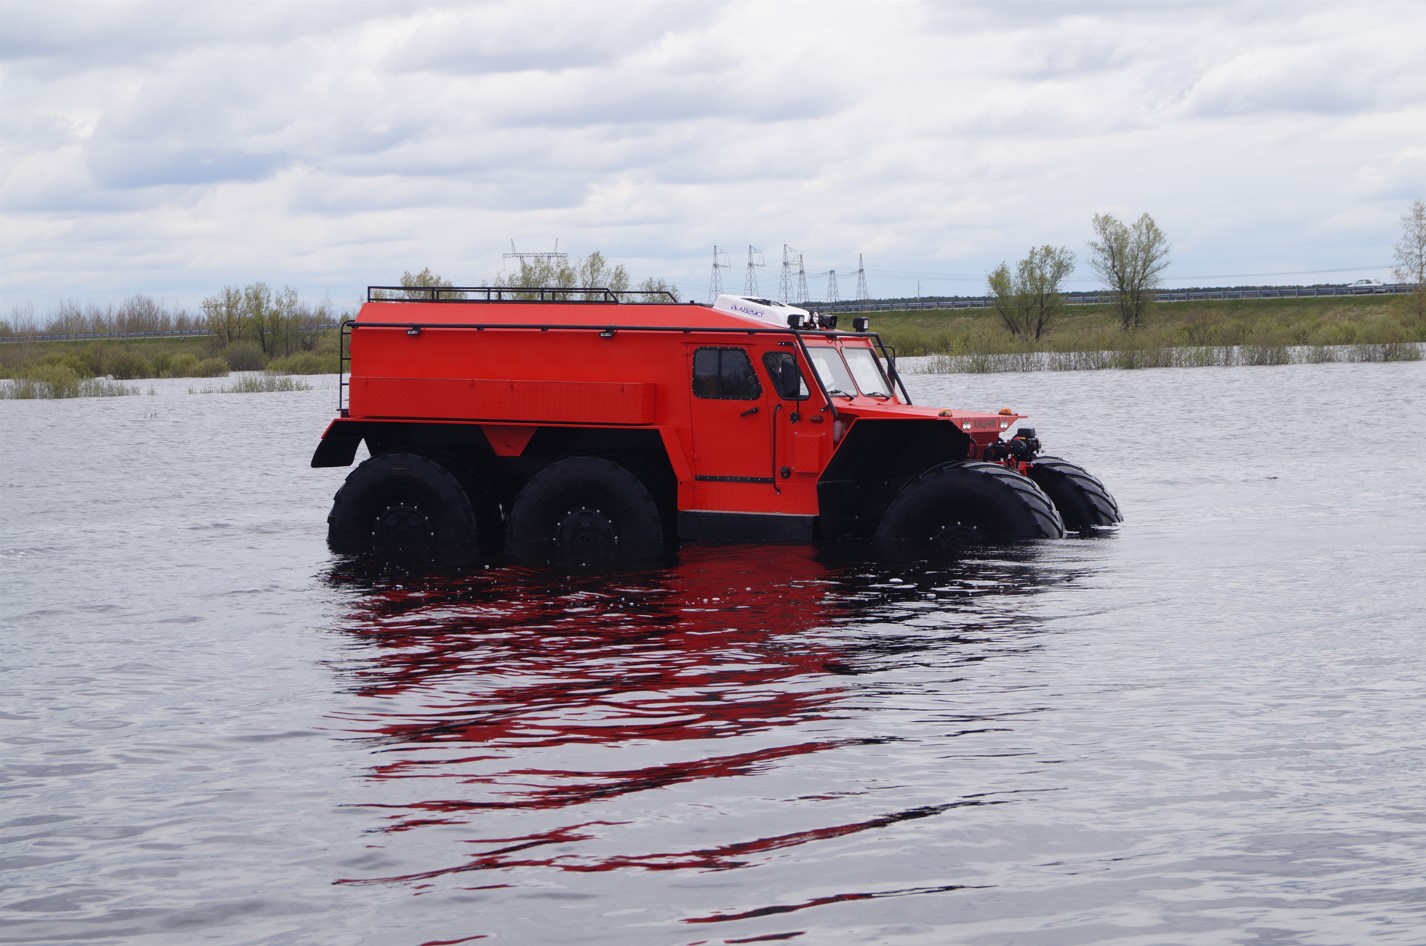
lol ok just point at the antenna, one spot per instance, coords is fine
(785, 287)
(715, 282)
(750, 285)
(862, 295)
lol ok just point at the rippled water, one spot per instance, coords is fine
(1209, 728)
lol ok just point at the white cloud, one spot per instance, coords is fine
(173, 148)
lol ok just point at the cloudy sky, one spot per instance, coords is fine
(172, 149)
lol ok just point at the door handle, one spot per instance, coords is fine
(749, 412)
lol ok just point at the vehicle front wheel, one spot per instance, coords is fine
(968, 503)
(1083, 502)
(404, 508)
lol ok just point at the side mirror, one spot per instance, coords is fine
(789, 378)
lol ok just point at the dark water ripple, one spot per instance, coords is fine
(1207, 729)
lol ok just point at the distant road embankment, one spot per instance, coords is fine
(1095, 298)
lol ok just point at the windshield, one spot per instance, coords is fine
(832, 371)
(866, 369)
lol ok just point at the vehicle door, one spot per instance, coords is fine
(731, 421)
(801, 430)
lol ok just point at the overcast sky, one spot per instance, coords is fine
(172, 149)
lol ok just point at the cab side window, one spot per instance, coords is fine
(725, 373)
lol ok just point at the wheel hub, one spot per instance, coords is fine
(402, 531)
(957, 533)
(586, 529)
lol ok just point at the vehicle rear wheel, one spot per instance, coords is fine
(404, 508)
(968, 503)
(584, 510)
(1083, 502)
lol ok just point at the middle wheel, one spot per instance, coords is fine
(584, 509)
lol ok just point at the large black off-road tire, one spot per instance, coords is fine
(584, 510)
(404, 508)
(968, 503)
(1083, 502)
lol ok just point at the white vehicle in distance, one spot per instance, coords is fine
(1367, 285)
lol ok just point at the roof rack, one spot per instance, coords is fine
(514, 294)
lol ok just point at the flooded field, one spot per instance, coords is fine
(1208, 728)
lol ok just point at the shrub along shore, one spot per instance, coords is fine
(1178, 334)
(98, 367)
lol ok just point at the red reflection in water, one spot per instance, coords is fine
(664, 656)
(613, 783)
(520, 695)
(479, 682)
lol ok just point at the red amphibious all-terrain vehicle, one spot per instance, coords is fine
(548, 424)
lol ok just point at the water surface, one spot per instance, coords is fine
(1205, 729)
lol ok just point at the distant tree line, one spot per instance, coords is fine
(137, 314)
(1129, 258)
(592, 272)
(558, 273)
(245, 328)
(278, 323)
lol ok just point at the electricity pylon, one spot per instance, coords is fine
(750, 284)
(715, 282)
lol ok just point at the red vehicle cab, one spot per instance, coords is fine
(576, 424)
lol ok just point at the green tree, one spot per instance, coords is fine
(1129, 259)
(273, 321)
(223, 315)
(304, 325)
(1029, 300)
(262, 316)
(558, 273)
(286, 319)
(1411, 254)
(539, 273)
(419, 286)
(658, 285)
(594, 272)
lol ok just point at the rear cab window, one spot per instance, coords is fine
(725, 373)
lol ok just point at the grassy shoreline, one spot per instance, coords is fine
(1177, 335)
(1202, 356)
